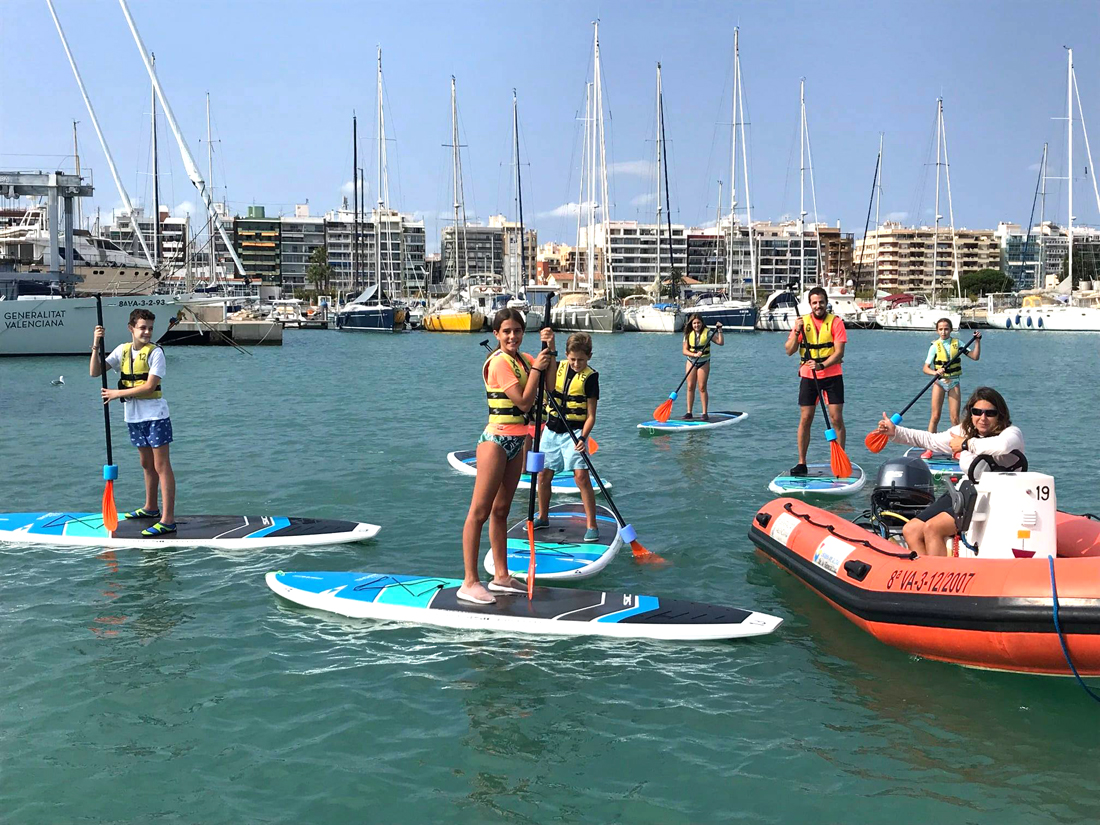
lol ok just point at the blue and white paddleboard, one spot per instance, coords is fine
(560, 549)
(554, 611)
(690, 425)
(465, 461)
(941, 464)
(819, 481)
(230, 532)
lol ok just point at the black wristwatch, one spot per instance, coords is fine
(553, 352)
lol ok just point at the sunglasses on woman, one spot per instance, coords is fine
(978, 412)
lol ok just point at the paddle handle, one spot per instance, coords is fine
(830, 433)
(535, 459)
(962, 351)
(694, 364)
(103, 376)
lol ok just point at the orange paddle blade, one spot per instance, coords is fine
(838, 461)
(592, 446)
(110, 514)
(531, 563)
(876, 441)
(663, 412)
(644, 556)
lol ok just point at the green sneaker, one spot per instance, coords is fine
(592, 534)
(159, 529)
(141, 512)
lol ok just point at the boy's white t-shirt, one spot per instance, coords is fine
(142, 409)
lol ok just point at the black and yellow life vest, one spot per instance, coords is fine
(699, 343)
(572, 399)
(134, 370)
(817, 343)
(501, 408)
(942, 357)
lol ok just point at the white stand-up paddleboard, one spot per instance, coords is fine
(560, 549)
(554, 611)
(690, 425)
(941, 464)
(465, 461)
(230, 532)
(819, 481)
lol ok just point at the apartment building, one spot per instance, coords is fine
(635, 252)
(174, 242)
(256, 239)
(916, 259)
(398, 264)
(479, 250)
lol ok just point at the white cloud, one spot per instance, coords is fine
(643, 200)
(347, 189)
(1035, 167)
(638, 168)
(897, 216)
(184, 208)
(563, 211)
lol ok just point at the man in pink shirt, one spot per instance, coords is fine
(819, 338)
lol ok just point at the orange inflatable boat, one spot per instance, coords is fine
(996, 609)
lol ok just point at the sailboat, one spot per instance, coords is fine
(734, 314)
(583, 309)
(912, 310)
(456, 312)
(1067, 312)
(533, 317)
(644, 315)
(367, 311)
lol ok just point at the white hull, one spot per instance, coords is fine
(63, 326)
(919, 317)
(1049, 318)
(777, 320)
(586, 319)
(651, 319)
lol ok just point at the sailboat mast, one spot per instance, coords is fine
(102, 140)
(185, 153)
(950, 208)
(660, 201)
(802, 186)
(878, 206)
(210, 179)
(156, 171)
(1069, 161)
(605, 200)
(381, 197)
(936, 235)
(733, 168)
(582, 201)
(459, 201)
(592, 164)
(668, 205)
(519, 200)
(1042, 217)
(355, 203)
(740, 95)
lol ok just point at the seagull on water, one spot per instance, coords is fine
(59, 381)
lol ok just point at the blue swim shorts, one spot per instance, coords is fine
(151, 433)
(560, 453)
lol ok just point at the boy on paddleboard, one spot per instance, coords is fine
(576, 388)
(141, 364)
(942, 350)
(511, 381)
(819, 338)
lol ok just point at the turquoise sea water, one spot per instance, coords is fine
(175, 687)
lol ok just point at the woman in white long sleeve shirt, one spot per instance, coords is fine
(986, 429)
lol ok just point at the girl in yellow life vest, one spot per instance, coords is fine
(942, 350)
(576, 388)
(697, 343)
(511, 381)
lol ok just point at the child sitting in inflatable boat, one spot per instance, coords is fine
(985, 430)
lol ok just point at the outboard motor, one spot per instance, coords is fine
(903, 488)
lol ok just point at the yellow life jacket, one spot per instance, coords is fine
(942, 357)
(135, 371)
(817, 344)
(699, 343)
(572, 400)
(501, 408)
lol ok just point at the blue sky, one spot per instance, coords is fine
(284, 78)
